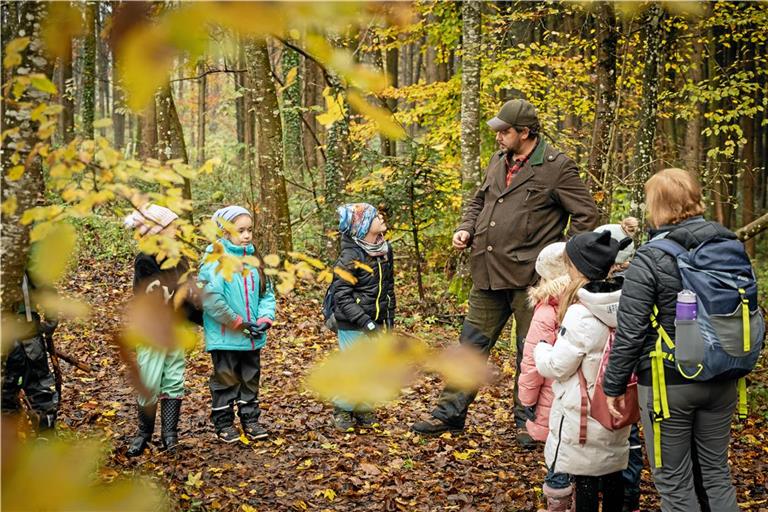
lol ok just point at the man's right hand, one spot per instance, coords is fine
(460, 239)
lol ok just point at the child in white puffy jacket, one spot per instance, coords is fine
(592, 455)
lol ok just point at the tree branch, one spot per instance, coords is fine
(209, 72)
(753, 229)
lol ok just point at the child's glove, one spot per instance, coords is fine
(371, 327)
(530, 412)
(255, 330)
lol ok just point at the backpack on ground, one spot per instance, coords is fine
(728, 331)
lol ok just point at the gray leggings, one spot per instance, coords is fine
(700, 413)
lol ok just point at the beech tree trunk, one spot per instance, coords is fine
(202, 92)
(171, 145)
(274, 216)
(28, 189)
(605, 105)
(470, 95)
(88, 90)
(644, 148)
(291, 96)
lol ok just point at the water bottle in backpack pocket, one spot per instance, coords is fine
(689, 345)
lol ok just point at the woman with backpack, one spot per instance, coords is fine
(363, 299)
(578, 444)
(678, 412)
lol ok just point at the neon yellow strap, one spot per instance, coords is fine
(745, 318)
(656, 325)
(657, 444)
(742, 389)
(695, 374)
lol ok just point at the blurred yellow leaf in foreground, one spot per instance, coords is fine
(61, 476)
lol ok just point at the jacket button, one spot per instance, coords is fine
(490, 248)
(501, 199)
(493, 223)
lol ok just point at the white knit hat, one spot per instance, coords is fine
(150, 219)
(550, 263)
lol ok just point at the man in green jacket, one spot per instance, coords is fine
(530, 191)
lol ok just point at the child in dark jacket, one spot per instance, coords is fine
(366, 303)
(161, 370)
(236, 314)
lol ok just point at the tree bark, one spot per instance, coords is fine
(389, 146)
(470, 95)
(102, 63)
(202, 92)
(28, 189)
(67, 115)
(692, 149)
(118, 107)
(291, 96)
(89, 72)
(274, 216)
(148, 132)
(171, 145)
(605, 104)
(644, 148)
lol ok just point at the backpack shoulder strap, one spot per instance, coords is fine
(670, 247)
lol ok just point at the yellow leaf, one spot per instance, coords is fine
(60, 306)
(13, 51)
(290, 78)
(461, 367)
(301, 504)
(10, 205)
(334, 108)
(385, 123)
(345, 275)
(146, 55)
(50, 256)
(15, 172)
(194, 479)
(466, 454)
(247, 508)
(371, 373)
(363, 266)
(244, 440)
(63, 22)
(303, 257)
(42, 83)
(272, 260)
(329, 494)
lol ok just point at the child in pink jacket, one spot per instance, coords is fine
(536, 391)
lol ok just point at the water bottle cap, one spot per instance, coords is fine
(686, 296)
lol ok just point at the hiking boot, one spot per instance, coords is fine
(525, 441)
(255, 431)
(170, 411)
(146, 416)
(435, 427)
(558, 500)
(228, 434)
(343, 420)
(365, 418)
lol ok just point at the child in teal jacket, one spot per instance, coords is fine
(236, 316)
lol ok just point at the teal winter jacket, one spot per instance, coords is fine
(227, 304)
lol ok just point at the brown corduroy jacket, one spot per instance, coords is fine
(509, 226)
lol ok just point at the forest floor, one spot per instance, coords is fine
(306, 464)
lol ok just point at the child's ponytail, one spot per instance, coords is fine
(571, 292)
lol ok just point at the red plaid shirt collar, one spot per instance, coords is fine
(518, 164)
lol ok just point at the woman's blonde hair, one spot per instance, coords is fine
(671, 196)
(571, 292)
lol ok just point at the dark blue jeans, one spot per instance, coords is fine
(557, 480)
(631, 475)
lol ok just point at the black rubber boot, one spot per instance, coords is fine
(170, 411)
(146, 429)
(435, 427)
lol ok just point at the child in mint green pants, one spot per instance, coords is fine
(161, 370)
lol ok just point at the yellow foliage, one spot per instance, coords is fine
(13, 51)
(363, 266)
(385, 123)
(50, 256)
(68, 470)
(10, 205)
(460, 367)
(334, 108)
(59, 306)
(42, 83)
(15, 172)
(370, 372)
(63, 22)
(272, 260)
(345, 275)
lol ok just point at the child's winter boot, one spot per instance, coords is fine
(146, 429)
(170, 411)
(558, 500)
